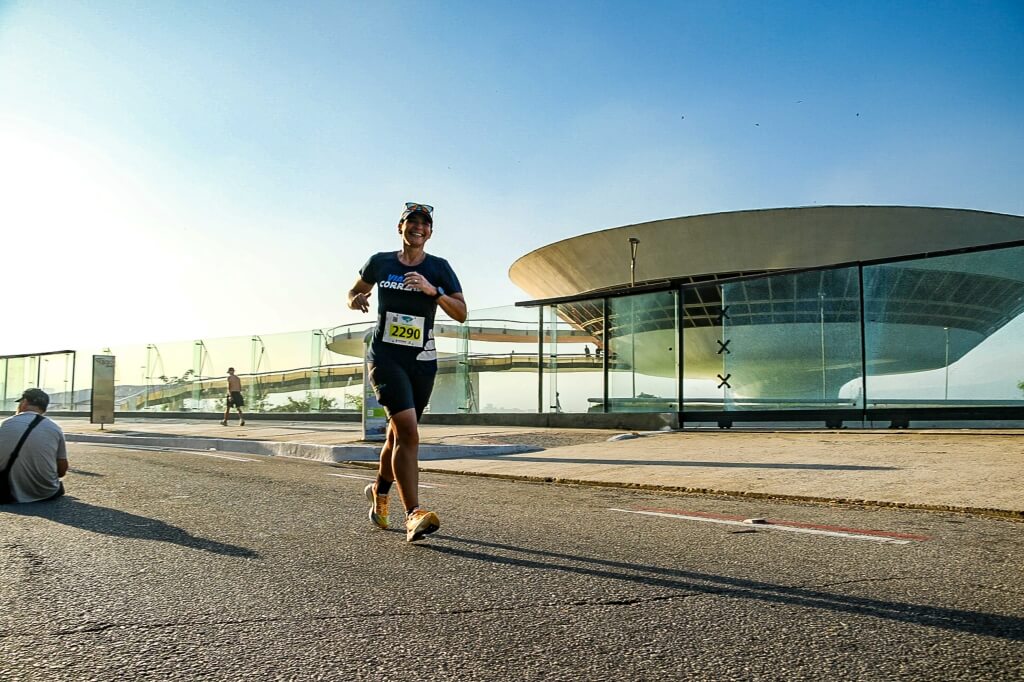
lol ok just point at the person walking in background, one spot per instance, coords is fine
(234, 399)
(33, 454)
(402, 358)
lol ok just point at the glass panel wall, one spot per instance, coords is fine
(454, 390)
(496, 356)
(939, 331)
(52, 372)
(341, 371)
(572, 378)
(574, 375)
(55, 378)
(703, 365)
(946, 331)
(167, 372)
(642, 358)
(792, 341)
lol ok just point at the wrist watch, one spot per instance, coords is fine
(440, 293)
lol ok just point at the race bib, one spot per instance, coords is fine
(403, 330)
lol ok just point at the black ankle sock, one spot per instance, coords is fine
(383, 487)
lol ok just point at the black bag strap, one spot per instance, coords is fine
(17, 448)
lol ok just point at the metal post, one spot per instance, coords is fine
(863, 348)
(198, 359)
(316, 346)
(821, 311)
(680, 359)
(553, 345)
(253, 386)
(604, 354)
(146, 377)
(946, 397)
(74, 403)
(67, 399)
(633, 244)
(632, 342)
(540, 359)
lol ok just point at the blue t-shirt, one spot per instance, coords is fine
(405, 317)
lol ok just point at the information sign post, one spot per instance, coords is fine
(101, 410)
(375, 421)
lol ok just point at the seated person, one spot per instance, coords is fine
(43, 458)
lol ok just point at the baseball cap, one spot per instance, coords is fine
(36, 397)
(412, 207)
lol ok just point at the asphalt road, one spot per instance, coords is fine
(174, 565)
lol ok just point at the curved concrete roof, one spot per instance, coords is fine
(754, 241)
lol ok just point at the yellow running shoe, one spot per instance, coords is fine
(419, 523)
(378, 507)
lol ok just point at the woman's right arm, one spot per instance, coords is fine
(359, 295)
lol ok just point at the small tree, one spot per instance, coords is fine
(303, 405)
(177, 401)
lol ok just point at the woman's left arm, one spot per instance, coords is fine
(454, 305)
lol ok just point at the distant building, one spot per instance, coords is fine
(919, 315)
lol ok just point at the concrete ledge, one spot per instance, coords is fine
(628, 421)
(362, 452)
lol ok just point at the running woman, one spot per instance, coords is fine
(402, 358)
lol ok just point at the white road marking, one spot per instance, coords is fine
(791, 529)
(154, 448)
(233, 459)
(374, 478)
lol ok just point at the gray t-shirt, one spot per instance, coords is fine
(34, 476)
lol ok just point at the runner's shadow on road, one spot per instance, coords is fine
(693, 582)
(73, 512)
(688, 463)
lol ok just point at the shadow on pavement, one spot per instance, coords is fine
(72, 512)
(972, 622)
(688, 463)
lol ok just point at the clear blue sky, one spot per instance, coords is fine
(179, 170)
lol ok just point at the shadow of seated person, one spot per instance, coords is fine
(70, 511)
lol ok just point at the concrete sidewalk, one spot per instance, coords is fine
(973, 471)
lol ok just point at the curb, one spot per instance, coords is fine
(319, 453)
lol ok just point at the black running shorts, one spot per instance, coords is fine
(235, 399)
(401, 384)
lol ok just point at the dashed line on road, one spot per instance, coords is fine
(790, 526)
(374, 478)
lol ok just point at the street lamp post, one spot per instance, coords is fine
(633, 243)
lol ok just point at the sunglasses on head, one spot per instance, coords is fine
(411, 207)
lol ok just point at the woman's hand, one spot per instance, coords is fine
(360, 301)
(420, 283)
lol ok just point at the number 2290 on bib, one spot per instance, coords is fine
(403, 330)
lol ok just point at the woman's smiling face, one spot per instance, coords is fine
(415, 230)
